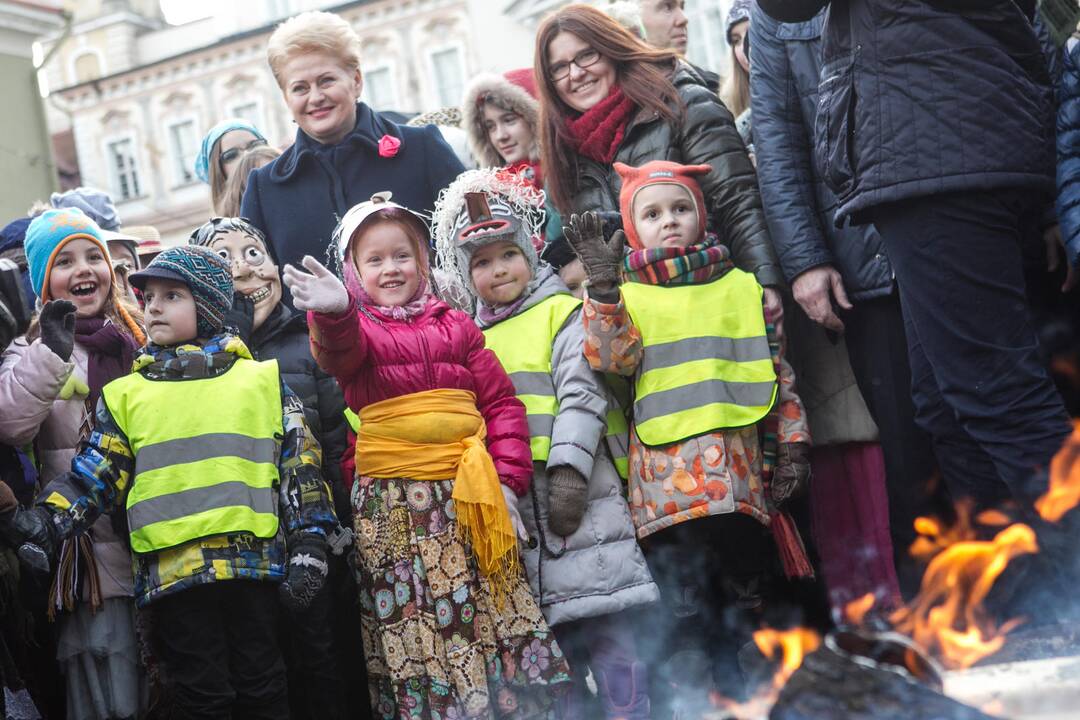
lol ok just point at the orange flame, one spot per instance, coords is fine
(947, 618)
(855, 611)
(793, 645)
(1064, 492)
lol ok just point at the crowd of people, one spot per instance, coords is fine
(550, 436)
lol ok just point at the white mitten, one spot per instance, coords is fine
(515, 516)
(320, 291)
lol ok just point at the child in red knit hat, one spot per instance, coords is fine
(718, 438)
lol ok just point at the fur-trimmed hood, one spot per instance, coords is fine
(512, 91)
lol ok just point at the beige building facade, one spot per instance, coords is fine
(28, 171)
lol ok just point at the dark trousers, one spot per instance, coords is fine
(978, 385)
(878, 352)
(219, 648)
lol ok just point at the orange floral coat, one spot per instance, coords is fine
(713, 474)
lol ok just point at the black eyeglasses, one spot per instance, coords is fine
(583, 59)
(233, 153)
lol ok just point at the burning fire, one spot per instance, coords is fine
(1064, 492)
(855, 611)
(793, 645)
(947, 617)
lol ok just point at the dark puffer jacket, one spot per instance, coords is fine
(928, 96)
(1068, 146)
(799, 206)
(707, 136)
(284, 337)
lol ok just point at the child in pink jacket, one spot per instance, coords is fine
(450, 628)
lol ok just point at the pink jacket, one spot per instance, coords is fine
(376, 358)
(31, 378)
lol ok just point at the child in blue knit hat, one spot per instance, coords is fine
(50, 380)
(208, 454)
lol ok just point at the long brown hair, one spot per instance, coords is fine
(228, 205)
(643, 73)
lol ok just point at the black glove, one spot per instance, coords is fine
(306, 574)
(57, 323)
(568, 493)
(28, 530)
(602, 259)
(241, 316)
(792, 472)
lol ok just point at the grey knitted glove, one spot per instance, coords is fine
(602, 259)
(568, 492)
(792, 472)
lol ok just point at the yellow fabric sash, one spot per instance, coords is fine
(439, 435)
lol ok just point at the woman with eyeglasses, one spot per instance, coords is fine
(219, 153)
(608, 97)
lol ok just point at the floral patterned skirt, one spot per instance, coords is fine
(436, 645)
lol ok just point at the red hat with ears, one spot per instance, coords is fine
(658, 172)
(524, 79)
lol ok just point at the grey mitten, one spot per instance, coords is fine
(568, 492)
(57, 323)
(601, 258)
(306, 574)
(792, 472)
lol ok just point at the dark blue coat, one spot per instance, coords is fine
(298, 199)
(1068, 153)
(798, 205)
(928, 96)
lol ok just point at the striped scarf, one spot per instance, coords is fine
(690, 265)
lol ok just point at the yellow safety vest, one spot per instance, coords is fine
(523, 345)
(618, 432)
(706, 363)
(209, 470)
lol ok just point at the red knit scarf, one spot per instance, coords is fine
(596, 134)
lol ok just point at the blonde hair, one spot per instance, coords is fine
(228, 204)
(735, 92)
(313, 32)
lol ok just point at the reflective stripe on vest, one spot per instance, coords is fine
(523, 345)
(706, 363)
(618, 433)
(211, 470)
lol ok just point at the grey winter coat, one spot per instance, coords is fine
(600, 569)
(799, 207)
(706, 136)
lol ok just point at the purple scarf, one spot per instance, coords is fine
(110, 353)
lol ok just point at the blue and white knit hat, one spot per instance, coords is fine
(207, 275)
(739, 11)
(202, 161)
(48, 233)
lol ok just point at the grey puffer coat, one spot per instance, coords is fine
(707, 136)
(600, 569)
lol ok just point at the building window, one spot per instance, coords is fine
(122, 168)
(708, 45)
(449, 78)
(87, 67)
(250, 112)
(379, 89)
(184, 147)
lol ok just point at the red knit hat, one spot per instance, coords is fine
(658, 172)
